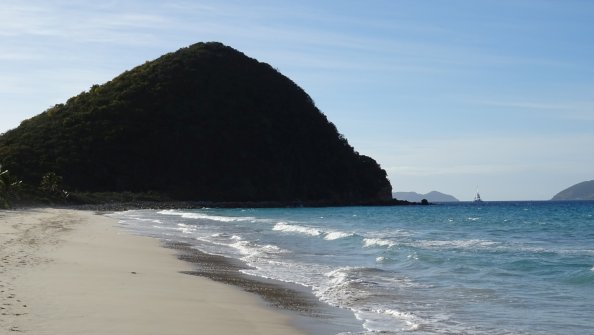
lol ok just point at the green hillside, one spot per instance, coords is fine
(580, 191)
(204, 123)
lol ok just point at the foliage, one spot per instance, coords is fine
(203, 123)
(116, 197)
(51, 185)
(10, 188)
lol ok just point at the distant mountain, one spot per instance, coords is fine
(204, 123)
(432, 196)
(580, 191)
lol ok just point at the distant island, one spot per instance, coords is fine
(204, 123)
(433, 196)
(580, 191)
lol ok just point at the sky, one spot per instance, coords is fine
(445, 95)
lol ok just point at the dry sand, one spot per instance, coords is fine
(74, 272)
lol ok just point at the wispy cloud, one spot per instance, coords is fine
(575, 110)
(63, 20)
(490, 155)
(525, 105)
(18, 54)
(459, 170)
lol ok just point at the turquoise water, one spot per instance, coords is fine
(494, 268)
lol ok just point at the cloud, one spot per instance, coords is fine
(523, 105)
(18, 55)
(18, 18)
(489, 156)
(65, 21)
(470, 169)
(575, 110)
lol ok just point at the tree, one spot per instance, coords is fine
(51, 184)
(9, 188)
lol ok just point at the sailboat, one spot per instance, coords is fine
(477, 197)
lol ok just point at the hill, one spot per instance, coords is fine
(203, 123)
(432, 196)
(580, 191)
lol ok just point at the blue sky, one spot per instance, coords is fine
(445, 95)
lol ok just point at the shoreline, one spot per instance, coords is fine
(132, 205)
(297, 301)
(110, 204)
(75, 272)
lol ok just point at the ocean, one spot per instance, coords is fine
(457, 268)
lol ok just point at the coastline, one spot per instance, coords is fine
(107, 205)
(75, 272)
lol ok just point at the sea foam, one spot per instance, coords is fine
(203, 216)
(372, 242)
(291, 228)
(335, 235)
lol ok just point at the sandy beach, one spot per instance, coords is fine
(75, 272)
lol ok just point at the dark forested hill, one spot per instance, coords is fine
(203, 123)
(580, 191)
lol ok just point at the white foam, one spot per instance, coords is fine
(335, 235)
(146, 220)
(338, 276)
(339, 287)
(169, 212)
(243, 247)
(283, 226)
(457, 244)
(371, 242)
(161, 227)
(272, 249)
(254, 252)
(388, 321)
(202, 216)
(186, 229)
(412, 321)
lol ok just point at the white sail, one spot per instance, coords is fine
(477, 197)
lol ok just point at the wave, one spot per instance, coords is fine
(146, 220)
(186, 229)
(336, 235)
(291, 228)
(312, 231)
(356, 288)
(203, 216)
(256, 252)
(457, 244)
(379, 242)
(339, 288)
(130, 216)
(412, 321)
(385, 260)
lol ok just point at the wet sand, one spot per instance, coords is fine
(73, 272)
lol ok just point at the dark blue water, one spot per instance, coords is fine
(494, 268)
